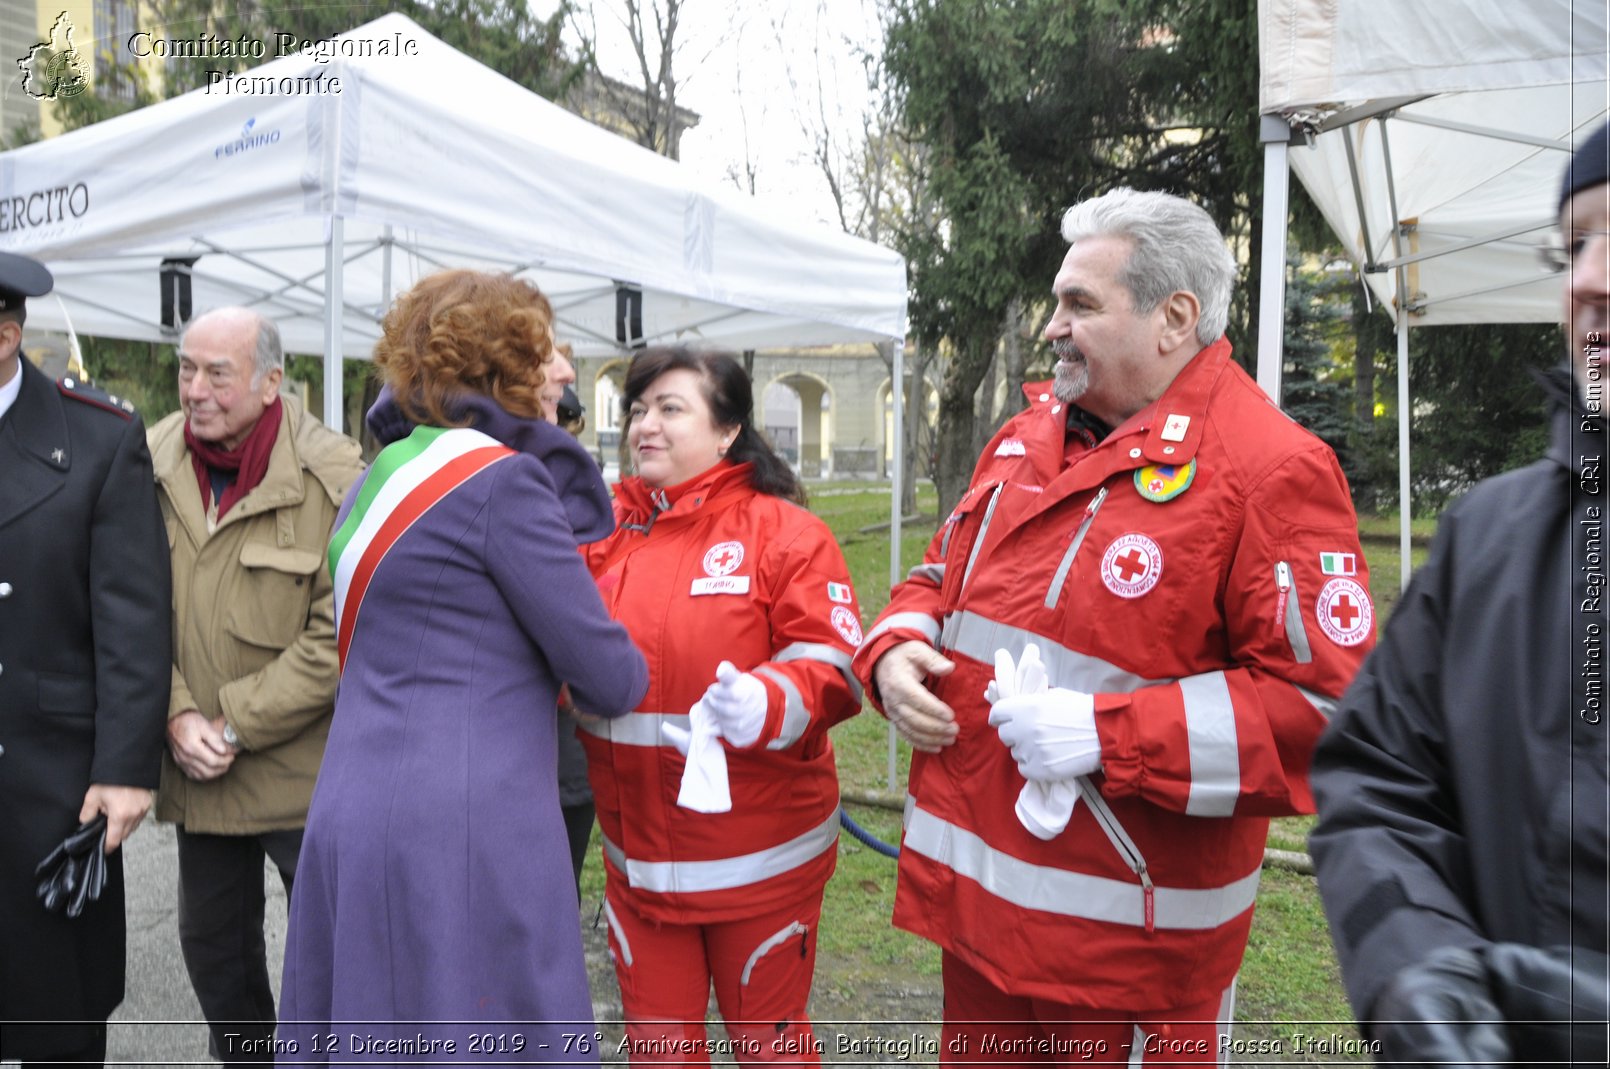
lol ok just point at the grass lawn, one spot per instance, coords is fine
(1289, 983)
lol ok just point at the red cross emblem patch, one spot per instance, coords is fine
(1345, 613)
(845, 623)
(723, 558)
(1132, 565)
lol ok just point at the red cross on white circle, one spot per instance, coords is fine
(723, 558)
(1344, 612)
(1131, 565)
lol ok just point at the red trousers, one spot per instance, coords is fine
(761, 969)
(985, 1026)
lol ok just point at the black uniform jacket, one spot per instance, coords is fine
(85, 667)
(1462, 784)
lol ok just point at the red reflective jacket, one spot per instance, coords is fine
(724, 573)
(1215, 625)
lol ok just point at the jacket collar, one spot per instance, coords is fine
(1169, 429)
(637, 501)
(1173, 423)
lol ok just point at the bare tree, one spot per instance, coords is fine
(649, 110)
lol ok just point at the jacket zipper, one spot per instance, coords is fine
(1054, 594)
(1125, 846)
(1289, 613)
(978, 542)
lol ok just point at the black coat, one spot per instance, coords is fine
(1462, 785)
(85, 668)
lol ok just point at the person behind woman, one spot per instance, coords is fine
(432, 880)
(575, 793)
(742, 603)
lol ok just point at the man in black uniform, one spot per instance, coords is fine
(1461, 844)
(85, 666)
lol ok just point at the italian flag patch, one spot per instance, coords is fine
(839, 592)
(1338, 563)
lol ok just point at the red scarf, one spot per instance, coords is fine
(249, 460)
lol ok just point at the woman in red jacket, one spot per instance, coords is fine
(741, 602)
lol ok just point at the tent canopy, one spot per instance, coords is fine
(1432, 135)
(1454, 119)
(421, 161)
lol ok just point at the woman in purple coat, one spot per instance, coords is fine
(434, 917)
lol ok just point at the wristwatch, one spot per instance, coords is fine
(230, 736)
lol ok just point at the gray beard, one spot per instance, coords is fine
(1072, 373)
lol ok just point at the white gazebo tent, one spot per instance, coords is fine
(1432, 135)
(317, 206)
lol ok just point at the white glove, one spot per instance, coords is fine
(1044, 809)
(704, 777)
(737, 700)
(1052, 732)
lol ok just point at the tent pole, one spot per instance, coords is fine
(385, 270)
(1404, 511)
(334, 265)
(1276, 135)
(1405, 505)
(897, 390)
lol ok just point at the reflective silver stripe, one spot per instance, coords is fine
(1296, 630)
(1211, 737)
(934, 573)
(795, 718)
(821, 651)
(1072, 894)
(983, 529)
(772, 941)
(912, 621)
(1227, 1020)
(1054, 594)
(1326, 706)
(667, 877)
(620, 932)
(634, 729)
(1223, 1028)
(979, 637)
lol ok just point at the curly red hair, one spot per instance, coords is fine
(454, 331)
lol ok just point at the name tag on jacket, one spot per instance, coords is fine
(723, 584)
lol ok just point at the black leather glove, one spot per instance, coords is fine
(1554, 999)
(1441, 1010)
(74, 873)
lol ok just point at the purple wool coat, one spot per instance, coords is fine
(434, 901)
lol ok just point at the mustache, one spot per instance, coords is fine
(1065, 349)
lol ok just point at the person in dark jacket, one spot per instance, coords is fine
(575, 792)
(1461, 844)
(84, 674)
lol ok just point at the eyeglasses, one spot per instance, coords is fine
(1559, 253)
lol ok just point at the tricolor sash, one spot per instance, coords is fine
(405, 481)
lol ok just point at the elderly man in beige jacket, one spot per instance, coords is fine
(249, 485)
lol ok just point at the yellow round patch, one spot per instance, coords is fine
(1164, 482)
